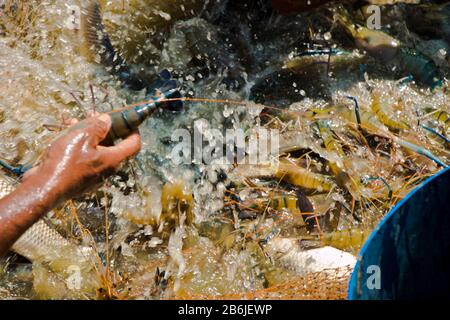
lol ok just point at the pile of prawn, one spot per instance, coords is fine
(346, 157)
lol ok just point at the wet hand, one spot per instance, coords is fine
(77, 161)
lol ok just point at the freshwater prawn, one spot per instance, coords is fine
(387, 49)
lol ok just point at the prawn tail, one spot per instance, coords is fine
(100, 45)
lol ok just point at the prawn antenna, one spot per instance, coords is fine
(358, 116)
(447, 140)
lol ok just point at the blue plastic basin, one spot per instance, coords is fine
(408, 255)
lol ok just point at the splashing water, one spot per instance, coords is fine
(151, 245)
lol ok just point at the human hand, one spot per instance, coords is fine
(76, 161)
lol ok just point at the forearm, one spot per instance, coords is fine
(22, 208)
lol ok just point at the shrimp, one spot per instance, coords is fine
(345, 239)
(367, 120)
(442, 117)
(176, 200)
(281, 202)
(380, 110)
(330, 144)
(301, 177)
(331, 60)
(297, 206)
(387, 49)
(342, 177)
